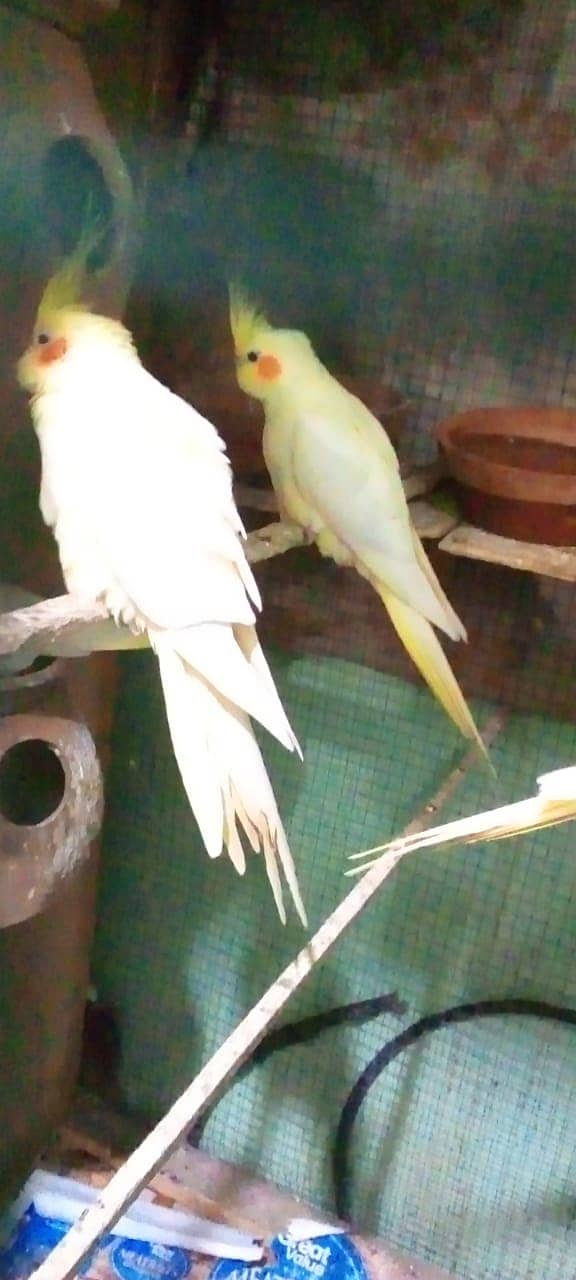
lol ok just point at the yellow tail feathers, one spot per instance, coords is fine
(421, 642)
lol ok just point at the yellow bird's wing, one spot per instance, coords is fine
(355, 486)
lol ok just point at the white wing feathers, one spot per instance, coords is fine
(143, 491)
(214, 652)
(254, 654)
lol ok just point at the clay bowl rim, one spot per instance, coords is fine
(556, 425)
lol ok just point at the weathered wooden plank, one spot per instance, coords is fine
(476, 544)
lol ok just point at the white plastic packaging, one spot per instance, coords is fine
(148, 1243)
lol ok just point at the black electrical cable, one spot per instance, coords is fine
(301, 1032)
(307, 1029)
(341, 1163)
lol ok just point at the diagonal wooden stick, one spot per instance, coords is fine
(148, 1158)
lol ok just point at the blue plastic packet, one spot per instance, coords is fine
(305, 1251)
(148, 1242)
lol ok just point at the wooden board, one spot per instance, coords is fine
(476, 544)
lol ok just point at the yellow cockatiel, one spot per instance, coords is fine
(137, 489)
(335, 473)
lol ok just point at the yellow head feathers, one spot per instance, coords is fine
(63, 320)
(66, 288)
(268, 360)
(246, 320)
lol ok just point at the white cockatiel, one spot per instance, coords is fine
(137, 489)
(335, 473)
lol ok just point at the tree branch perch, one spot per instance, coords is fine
(48, 622)
(47, 625)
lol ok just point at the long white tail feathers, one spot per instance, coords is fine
(223, 772)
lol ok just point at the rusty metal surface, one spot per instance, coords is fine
(47, 903)
(46, 98)
(44, 975)
(35, 859)
(41, 687)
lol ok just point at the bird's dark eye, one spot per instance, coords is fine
(43, 338)
(252, 356)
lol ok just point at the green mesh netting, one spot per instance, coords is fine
(464, 1150)
(412, 206)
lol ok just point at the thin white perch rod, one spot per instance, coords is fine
(148, 1158)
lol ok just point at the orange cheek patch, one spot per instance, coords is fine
(269, 368)
(52, 351)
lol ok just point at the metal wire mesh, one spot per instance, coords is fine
(447, 269)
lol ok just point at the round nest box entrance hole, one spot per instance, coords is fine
(32, 783)
(76, 194)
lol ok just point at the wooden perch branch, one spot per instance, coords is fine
(145, 1162)
(273, 540)
(476, 544)
(51, 620)
(46, 621)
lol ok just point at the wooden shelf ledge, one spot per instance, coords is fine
(531, 557)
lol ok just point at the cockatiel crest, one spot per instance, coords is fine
(62, 305)
(137, 489)
(68, 286)
(266, 358)
(246, 319)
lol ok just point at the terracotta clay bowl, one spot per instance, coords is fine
(515, 470)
